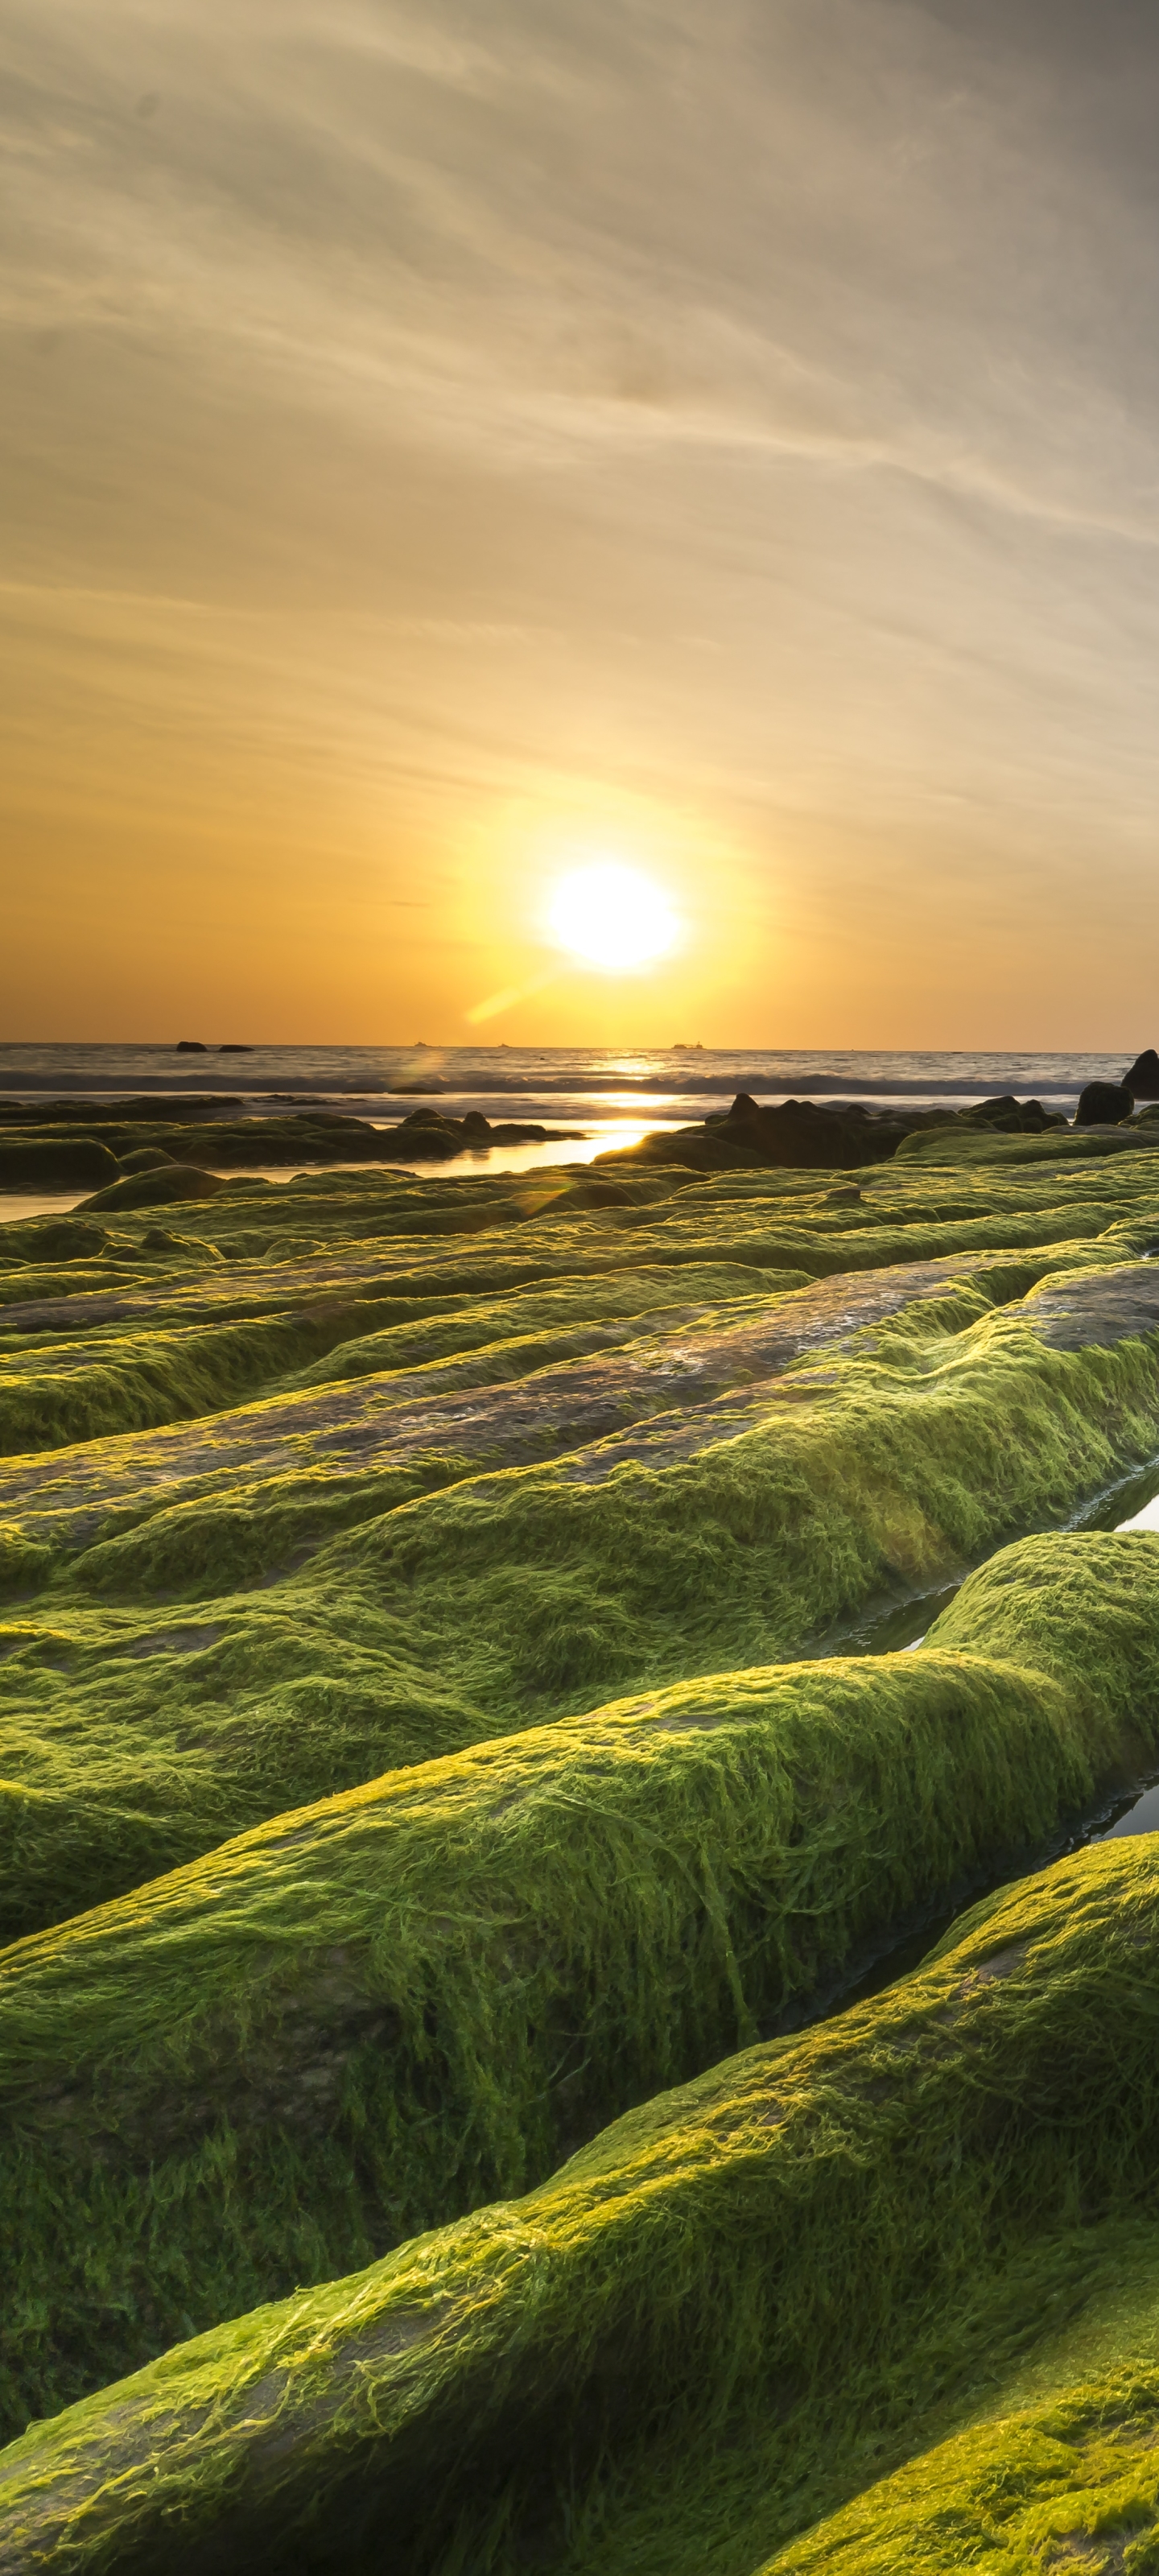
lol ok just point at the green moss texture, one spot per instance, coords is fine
(442, 1723)
(709, 2325)
(430, 1462)
(376, 2013)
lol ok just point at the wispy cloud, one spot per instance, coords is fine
(753, 412)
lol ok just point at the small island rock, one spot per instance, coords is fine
(1143, 1079)
(1104, 1104)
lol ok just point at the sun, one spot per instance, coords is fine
(609, 916)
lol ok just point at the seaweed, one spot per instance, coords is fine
(515, 1499)
(700, 2327)
(374, 2014)
(400, 1579)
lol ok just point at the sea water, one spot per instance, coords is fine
(612, 1095)
(685, 1077)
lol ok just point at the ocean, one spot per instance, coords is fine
(561, 1076)
(613, 1095)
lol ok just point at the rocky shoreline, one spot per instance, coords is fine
(804, 1135)
(112, 1146)
(68, 1144)
(440, 1765)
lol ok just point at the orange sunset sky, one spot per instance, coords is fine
(449, 446)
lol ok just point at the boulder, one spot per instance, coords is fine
(1143, 1079)
(799, 1135)
(191, 1046)
(1104, 1104)
(155, 1188)
(1011, 1116)
(427, 1135)
(155, 1111)
(55, 1163)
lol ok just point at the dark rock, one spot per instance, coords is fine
(191, 1046)
(155, 1111)
(801, 1136)
(55, 1163)
(235, 1050)
(1011, 1116)
(154, 1189)
(1143, 1079)
(1104, 1104)
(427, 1135)
(509, 1134)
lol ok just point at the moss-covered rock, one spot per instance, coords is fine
(55, 1163)
(688, 2342)
(369, 1472)
(1103, 1104)
(148, 1158)
(592, 1453)
(155, 1186)
(379, 2012)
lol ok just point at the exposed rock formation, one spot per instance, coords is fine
(154, 1188)
(55, 1163)
(1143, 1079)
(119, 1141)
(803, 1136)
(430, 1137)
(1103, 1104)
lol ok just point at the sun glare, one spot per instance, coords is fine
(610, 917)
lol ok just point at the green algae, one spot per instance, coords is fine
(372, 2015)
(363, 1472)
(702, 2330)
(1071, 2484)
(407, 1560)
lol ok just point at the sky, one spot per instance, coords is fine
(448, 448)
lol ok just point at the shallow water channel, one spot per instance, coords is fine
(1130, 1806)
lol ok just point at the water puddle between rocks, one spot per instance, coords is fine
(1130, 1808)
(1131, 1503)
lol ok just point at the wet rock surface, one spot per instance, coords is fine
(34, 1151)
(427, 1136)
(799, 1135)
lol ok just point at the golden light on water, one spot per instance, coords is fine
(608, 916)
